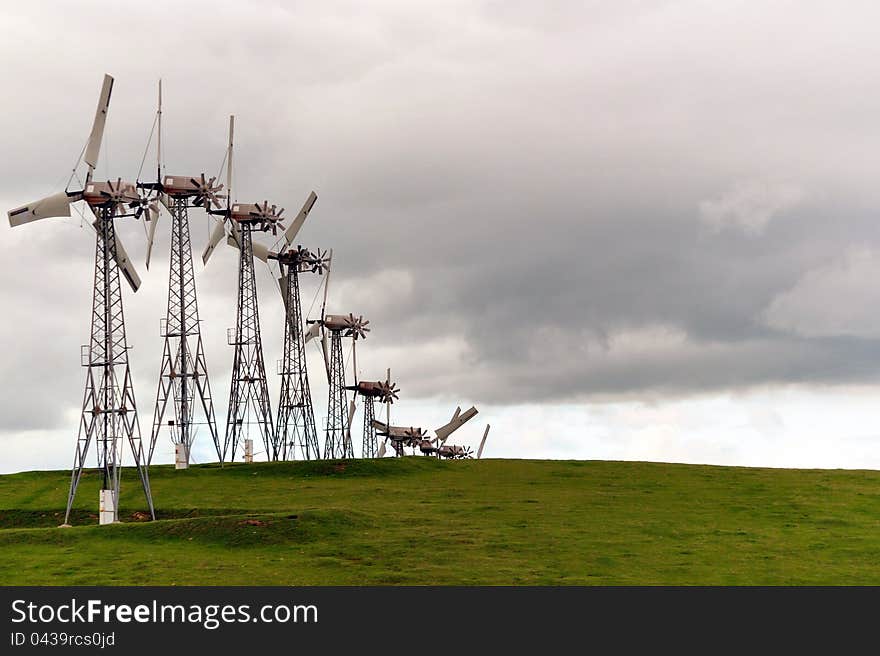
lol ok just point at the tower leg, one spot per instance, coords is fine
(249, 391)
(109, 412)
(184, 371)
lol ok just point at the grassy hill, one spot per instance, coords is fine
(422, 521)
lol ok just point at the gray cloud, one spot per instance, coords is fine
(517, 195)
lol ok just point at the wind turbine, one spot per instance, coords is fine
(109, 411)
(249, 390)
(382, 391)
(296, 415)
(184, 370)
(337, 441)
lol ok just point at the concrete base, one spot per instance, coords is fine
(107, 507)
(180, 459)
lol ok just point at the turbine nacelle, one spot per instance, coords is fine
(100, 194)
(406, 434)
(378, 389)
(303, 260)
(352, 326)
(263, 217)
(454, 451)
(203, 191)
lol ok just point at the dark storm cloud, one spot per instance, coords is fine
(529, 202)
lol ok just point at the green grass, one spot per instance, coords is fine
(422, 521)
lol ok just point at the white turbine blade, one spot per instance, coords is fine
(350, 412)
(354, 360)
(483, 442)
(294, 228)
(313, 331)
(260, 252)
(458, 420)
(125, 265)
(93, 148)
(388, 402)
(326, 286)
(54, 205)
(282, 287)
(235, 233)
(381, 452)
(324, 350)
(154, 220)
(217, 234)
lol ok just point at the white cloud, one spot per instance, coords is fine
(750, 206)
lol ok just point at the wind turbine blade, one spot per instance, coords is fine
(126, 267)
(260, 251)
(381, 452)
(93, 149)
(282, 287)
(313, 331)
(217, 234)
(324, 350)
(235, 233)
(326, 286)
(154, 220)
(483, 442)
(294, 228)
(350, 413)
(457, 421)
(388, 402)
(54, 205)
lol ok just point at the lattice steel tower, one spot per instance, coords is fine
(183, 375)
(296, 415)
(183, 372)
(109, 413)
(249, 403)
(381, 391)
(249, 391)
(370, 446)
(337, 441)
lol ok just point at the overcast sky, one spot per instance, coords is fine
(637, 230)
